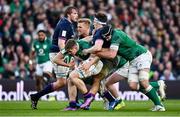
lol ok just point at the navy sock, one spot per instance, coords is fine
(46, 90)
(87, 95)
(72, 104)
(108, 96)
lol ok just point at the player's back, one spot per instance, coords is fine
(98, 35)
(128, 48)
(63, 30)
(83, 45)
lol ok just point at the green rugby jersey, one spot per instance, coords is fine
(120, 61)
(127, 47)
(42, 49)
(83, 45)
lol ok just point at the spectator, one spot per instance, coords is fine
(167, 75)
(153, 23)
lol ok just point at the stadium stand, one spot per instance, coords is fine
(153, 23)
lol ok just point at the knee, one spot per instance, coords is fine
(72, 76)
(47, 74)
(59, 83)
(107, 85)
(133, 86)
(144, 84)
(97, 80)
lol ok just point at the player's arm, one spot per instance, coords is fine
(63, 36)
(109, 53)
(61, 43)
(95, 48)
(88, 38)
(32, 54)
(92, 60)
(59, 60)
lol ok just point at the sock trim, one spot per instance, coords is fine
(148, 88)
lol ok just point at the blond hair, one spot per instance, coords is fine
(85, 21)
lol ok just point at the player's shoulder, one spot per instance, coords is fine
(117, 34)
(48, 40)
(63, 51)
(98, 34)
(81, 41)
(64, 23)
(35, 41)
(98, 31)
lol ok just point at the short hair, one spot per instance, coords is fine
(85, 20)
(69, 44)
(69, 10)
(106, 31)
(101, 16)
(43, 31)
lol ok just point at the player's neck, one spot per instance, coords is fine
(85, 35)
(69, 19)
(98, 27)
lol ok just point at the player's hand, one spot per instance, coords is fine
(30, 62)
(85, 52)
(72, 65)
(85, 66)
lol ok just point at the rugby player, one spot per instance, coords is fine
(139, 62)
(64, 30)
(40, 50)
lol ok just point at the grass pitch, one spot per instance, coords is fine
(55, 108)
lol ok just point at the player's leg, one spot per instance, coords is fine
(143, 63)
(79, 74)
(61, 76)
(149, 90)
(96, 83)
(47, 71)
(119, 74)
(159, 86)
(48, 89)
(117, 102)
(96, 72)
(39, 77)
(75, 79)
(89, 97)
(72, 92)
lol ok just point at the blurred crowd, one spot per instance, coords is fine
(152, 23)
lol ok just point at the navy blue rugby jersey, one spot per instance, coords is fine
(64, 30)
(98, 36)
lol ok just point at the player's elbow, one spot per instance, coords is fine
(98, 48)
(55, 60)
(112, 55)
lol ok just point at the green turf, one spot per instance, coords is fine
(54, 108)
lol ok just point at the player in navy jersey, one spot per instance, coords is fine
(100, 20)
(64, 30)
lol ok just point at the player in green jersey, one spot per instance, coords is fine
(100, 20)
(139, 59)
(40, 50)
(83, 31)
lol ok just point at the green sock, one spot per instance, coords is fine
(152, 94)
(155, 85)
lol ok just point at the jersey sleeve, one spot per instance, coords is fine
(49, 41)
(63, 52)
(33, 46)
(115, 43)
(64, 32)
(97, 37)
